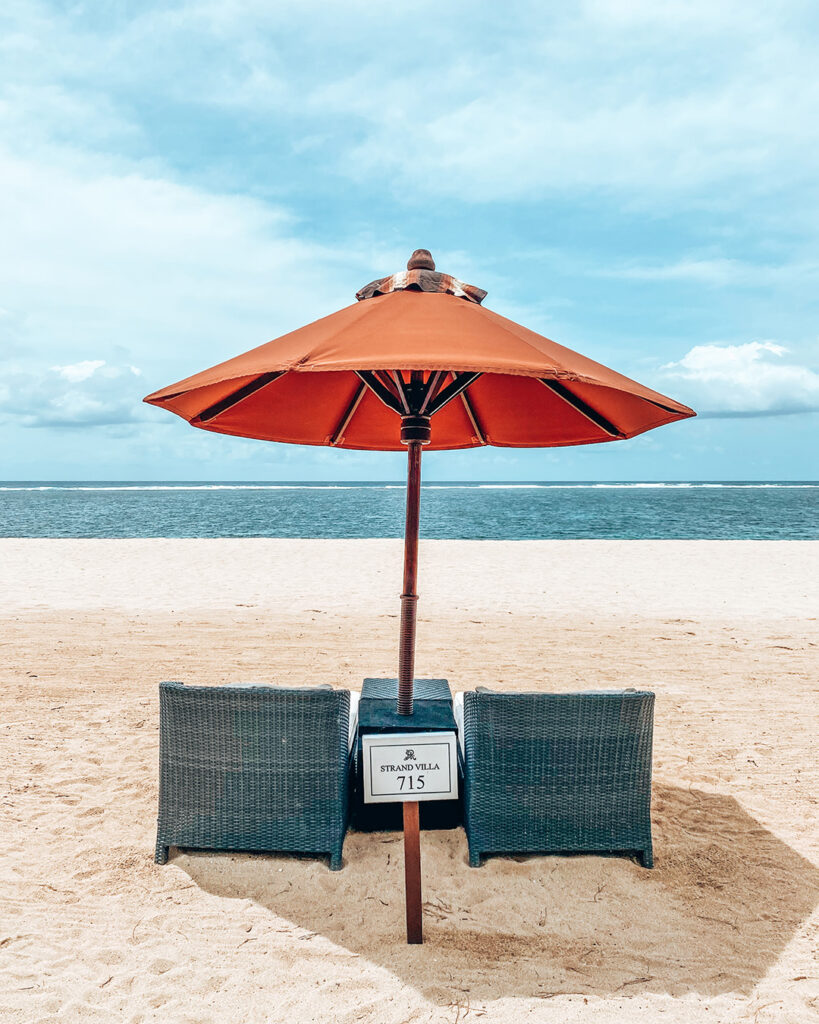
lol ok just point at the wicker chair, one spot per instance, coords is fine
(253, 768)
(548, 773)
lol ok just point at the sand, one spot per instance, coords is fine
(724, 929)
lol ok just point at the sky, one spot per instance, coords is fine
(181, 182)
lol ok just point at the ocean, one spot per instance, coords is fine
(463, 511)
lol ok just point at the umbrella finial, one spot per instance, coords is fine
(421, 259)
(421, 276)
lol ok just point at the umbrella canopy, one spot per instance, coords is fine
(339, 381)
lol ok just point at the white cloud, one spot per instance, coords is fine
(162, 278)
(743, 380)
(632, 97)
(646, 106)
(173, 275)
(90, 393)
(76, 372)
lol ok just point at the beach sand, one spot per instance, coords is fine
(724, 929)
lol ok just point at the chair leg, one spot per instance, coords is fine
(474, 859)
(647, 858)
(161, 854)
(336, 862)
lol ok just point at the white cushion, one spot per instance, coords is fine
(355, 697)
(458, 712)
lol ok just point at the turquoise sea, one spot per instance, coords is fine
(715, 510)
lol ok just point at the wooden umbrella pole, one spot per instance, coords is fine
(415, 434)
(406, 678)
(409, 598)
(412, 873)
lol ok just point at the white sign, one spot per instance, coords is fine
(409, 766)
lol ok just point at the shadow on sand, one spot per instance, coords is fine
(725, 898)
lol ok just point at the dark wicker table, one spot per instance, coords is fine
(377, 713)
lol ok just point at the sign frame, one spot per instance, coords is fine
(393, 749)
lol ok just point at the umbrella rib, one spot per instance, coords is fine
(402, 394)
(570, 398)
(380, 390)
(665, 408)
(433, 387)
(387, 381)
(459, 384)
(239, 395)
(348, 414)
(473, 419)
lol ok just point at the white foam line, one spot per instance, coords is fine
(394, 487)
(194, 487)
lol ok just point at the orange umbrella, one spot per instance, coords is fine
(343, 380)
(417, 361)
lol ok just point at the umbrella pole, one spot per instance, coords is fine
(412, 873)
(415, 434)
(406, 678)
(409, 598)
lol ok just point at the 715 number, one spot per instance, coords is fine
(408, 782)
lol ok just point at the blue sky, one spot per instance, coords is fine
(180, 182)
